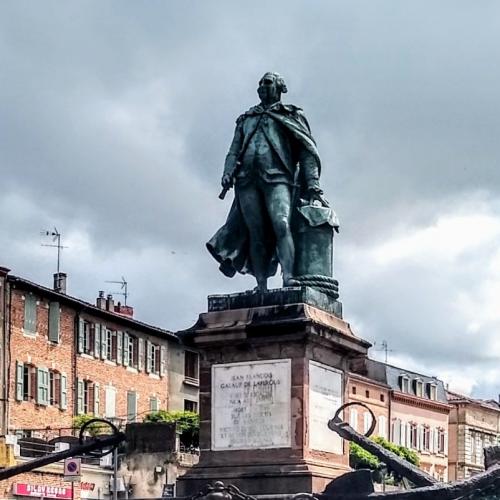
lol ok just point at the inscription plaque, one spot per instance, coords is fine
(251, 405)
(325, 397)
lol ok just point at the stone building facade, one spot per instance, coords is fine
(417, 412)
(62, 357)
(474, 425)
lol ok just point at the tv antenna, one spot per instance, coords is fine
(56, 238)
(384, 346)
(124, 287)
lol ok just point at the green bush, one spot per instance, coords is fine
(362, 459)
(187, 422)
(93, 429)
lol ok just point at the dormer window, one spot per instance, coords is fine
(404, 383)
(419, 388)
(432, 391)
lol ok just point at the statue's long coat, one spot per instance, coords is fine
(230, 244)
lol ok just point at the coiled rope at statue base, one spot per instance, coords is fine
(324, 284)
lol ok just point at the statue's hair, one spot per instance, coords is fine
(279, 80)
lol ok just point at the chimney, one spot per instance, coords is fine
(60, 282)
(101, 301)
(110, 303)
(124, 310)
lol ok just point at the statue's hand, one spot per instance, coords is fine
(227, 181)
(316, 199)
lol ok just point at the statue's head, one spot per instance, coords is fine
(271, 86)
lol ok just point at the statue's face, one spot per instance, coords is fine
(268, 89)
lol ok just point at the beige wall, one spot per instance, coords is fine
(435, 416)
(179, 389)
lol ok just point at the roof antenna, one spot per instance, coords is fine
(56, 237)
(124, 287)
(384, 346)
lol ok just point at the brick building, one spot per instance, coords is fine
(417, 413)
(62, 357)
(375, 395)
(474, 425)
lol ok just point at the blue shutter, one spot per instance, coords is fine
(63, 400)
(19, 381)
(163, 360)
(140, 355)
(42, 382)
(54, 321)
(30, 313)
(96, 399)
(81, 335)
(104, 341)
(119, 347)
(79, 396)
(126, 349)
(149, 357)
(131, 406)
(97, 340)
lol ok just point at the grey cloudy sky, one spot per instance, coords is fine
(115, 118)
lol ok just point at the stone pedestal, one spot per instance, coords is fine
(272, 373)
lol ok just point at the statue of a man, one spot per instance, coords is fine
(272, 163)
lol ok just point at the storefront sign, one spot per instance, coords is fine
(41, 490)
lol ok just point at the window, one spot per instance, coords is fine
(442, 441)
(154, 403)
(191, 373)
(54, 321)
(353, 390)
(382, 426)
(426, 438)
(367, 421)
(432, 391)
(413, 435)
(404, 383)
(45, 387)
(87, 398)
(419, 388)
(382, 398)
(110, 402)
(131, 406)
(54, 388)
(130, 351)
(367, 394)
(190, 406)
(30, 314)
(353, 418)
(396, 431)
(87, 337)
(152, 358)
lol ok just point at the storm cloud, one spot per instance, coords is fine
(116, 117)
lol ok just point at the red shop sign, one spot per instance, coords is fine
(41, 490)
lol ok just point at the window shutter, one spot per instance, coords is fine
(54, 320)
(42, 393)
(81, 335)
(110, 402)
(119, 347)
(126, 349)
(445, 451)
(149, 358)
(19, 381)
(30, 313)
(163, 360)
(156, 351)
(79, 396)
(97, 340)
(153, 404)
(140, 361)
(353, 418)
(404, 427)
(104, 341)
(420, 439)
(96, 399)
(131, 406)
(63, 401)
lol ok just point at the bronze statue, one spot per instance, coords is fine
(274, 166)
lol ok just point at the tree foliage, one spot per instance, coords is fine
(93, 429)
(362, 459)
(187, 422)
